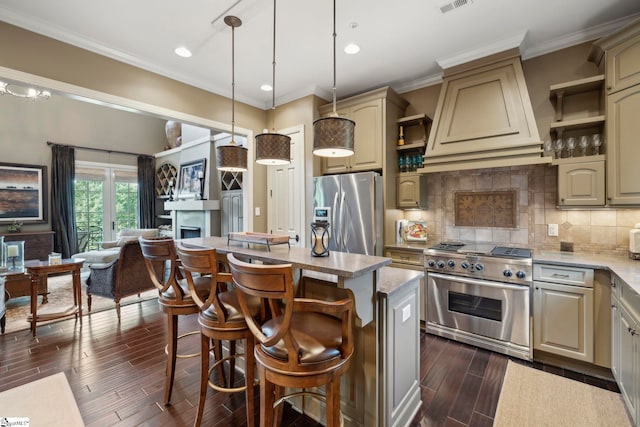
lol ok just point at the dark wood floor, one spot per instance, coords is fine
(116, 372)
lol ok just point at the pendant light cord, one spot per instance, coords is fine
(233, 84)
(273, 79)
(334, 58)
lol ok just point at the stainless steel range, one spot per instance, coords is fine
(480, 294)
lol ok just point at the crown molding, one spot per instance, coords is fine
(512, 42)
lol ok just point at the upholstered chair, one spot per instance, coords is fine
(122, 277)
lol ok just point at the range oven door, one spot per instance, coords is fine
(490, 309)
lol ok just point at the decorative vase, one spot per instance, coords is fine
(173, 130)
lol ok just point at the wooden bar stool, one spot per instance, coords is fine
(174, 297)
(220, 319)
(306, 343)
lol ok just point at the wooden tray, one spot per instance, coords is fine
(259, 238)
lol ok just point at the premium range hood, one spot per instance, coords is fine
(484, 118)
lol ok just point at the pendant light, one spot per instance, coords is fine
(333, 135)
(273, 148)
(232, 157)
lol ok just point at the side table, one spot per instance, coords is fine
(39, 270)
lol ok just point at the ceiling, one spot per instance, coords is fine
(404, 43)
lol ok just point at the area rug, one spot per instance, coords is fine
(60, 295)
(531, 397)
(48, 401)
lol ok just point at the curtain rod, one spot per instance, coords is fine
(99, 149)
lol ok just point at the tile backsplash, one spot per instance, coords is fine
(601, 230)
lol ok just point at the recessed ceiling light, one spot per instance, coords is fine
(266, 87)
(351, 49)
(183, 52)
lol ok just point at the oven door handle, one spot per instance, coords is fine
(481, 282)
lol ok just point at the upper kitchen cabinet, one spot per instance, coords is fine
(375, 114)
(484, 118)
(621, 55)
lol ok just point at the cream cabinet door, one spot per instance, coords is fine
(623, 147)
(629, 368)
(581, 184)
(623, 65)
(563, 320)
(408, 194)
(368, 136)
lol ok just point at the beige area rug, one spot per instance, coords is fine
(531, 397)
(48, 401)
(60, 295)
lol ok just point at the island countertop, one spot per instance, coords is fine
(337, 263)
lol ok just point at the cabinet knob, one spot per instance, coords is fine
(608, 87)
(537, 288)
(632, 331)
(562, 200)
(613, 306)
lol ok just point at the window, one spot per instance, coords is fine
(106, 201)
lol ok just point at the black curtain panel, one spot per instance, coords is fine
(146, 189)
(63, 200)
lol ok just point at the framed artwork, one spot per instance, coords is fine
(23, 193)
(190, 179)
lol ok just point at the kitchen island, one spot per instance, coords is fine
(381, 387)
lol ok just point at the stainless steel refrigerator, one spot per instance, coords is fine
(355, 211)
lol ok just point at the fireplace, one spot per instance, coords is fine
(187, 231)
(194, 218)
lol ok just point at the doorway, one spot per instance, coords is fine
(285, 185)
(106, 201)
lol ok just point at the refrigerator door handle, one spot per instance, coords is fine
(343, 227)
(334, 213)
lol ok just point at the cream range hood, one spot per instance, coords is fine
(484, 118)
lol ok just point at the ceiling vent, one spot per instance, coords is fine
(448, 7)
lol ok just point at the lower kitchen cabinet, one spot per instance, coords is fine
(563, 311)
(411, 259)
(625, 345)
(400, 353)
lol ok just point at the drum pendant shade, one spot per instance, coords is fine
(333, 135)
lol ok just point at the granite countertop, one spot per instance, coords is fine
(392, 278)
(337, 263)
(625, 268)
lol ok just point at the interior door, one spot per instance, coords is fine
(286, 191)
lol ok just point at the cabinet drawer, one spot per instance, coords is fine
(575, 276)
(406, 257)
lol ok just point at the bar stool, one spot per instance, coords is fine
(305, 343)
(220, 319)
(173, 296)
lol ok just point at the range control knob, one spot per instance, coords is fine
(440, 264)
(507, 273)
(521, 274)
(479, 267)
(451, 263)
(464, 265)
(431, 263)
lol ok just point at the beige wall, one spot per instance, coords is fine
(31, 53)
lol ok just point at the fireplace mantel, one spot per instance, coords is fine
(192, 205)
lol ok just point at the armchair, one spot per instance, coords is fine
(126, 275)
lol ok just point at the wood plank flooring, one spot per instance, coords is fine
(116, 372)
